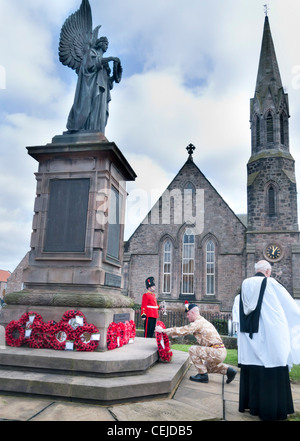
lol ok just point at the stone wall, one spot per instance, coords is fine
(212, 219)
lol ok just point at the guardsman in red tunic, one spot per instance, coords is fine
(150, 308)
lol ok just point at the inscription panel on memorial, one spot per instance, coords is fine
(124, 317)
(67, 215)
(112, 280)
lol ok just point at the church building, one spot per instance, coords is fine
(191, 241)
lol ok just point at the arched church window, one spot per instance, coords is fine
(210, 268)
(257, 126)
(270, 128)
(167, 267)
(189, 200)
(188, 261)
(271, 201)
(284, 129)
(282, 137)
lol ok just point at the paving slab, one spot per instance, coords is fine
(21, 409)
(206, 399)
(232, 413)
(164, 410)
(74, 412)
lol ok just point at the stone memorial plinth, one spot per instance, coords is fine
(76, 252)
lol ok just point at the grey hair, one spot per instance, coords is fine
(262, 265)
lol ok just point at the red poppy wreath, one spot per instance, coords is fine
(14, 333)
(87, 338)
(128, 329)
(36, 339)
(113, 337)
(163, 344)
(133, 329)
(48, 333)
(30, 317)
(74, 318)
(123, 334)
(61, 333)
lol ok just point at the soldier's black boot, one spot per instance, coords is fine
(200, 378)
(231, 373)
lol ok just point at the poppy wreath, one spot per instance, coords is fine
(72, 314)
(132, 329)
(81, 343)
(48, 333)
(127, 332)
(113, 336)
(123, 334)
(36, 339)
(163, 344)
(61, 332)
(25, 317)
(14, 333)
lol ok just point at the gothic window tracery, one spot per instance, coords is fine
(188, 261)
(210, 268)
(270, 128)
(167, 267)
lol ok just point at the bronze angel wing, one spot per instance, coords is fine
(76, 36)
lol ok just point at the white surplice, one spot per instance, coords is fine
(277, 342)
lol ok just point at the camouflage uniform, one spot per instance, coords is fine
(208, 357)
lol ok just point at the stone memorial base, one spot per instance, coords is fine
(131, 372)
(99, 308)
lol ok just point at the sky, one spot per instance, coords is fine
(189, 72)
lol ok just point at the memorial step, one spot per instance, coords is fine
(132, 372)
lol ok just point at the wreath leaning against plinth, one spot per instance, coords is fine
(163, 344)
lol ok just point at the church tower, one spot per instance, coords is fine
(273, 232)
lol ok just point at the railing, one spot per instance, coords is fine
(222, 322)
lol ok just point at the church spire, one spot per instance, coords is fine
(269, 107)
(272, 194)
(268, 70)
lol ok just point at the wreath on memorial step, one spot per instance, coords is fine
(61, 333)
(132, 330)
(163, 344)
(48, 333)
(73, 329)
(113, 336)
(124, 333)
(73, 318)
(36, 339)
(28, 320)
(30, 317)
(86, 338)
(120, 334)
(15, 333)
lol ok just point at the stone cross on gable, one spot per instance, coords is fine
(190, 149)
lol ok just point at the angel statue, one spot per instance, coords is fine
(82, 50)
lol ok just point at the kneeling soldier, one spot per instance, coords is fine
(209, 355)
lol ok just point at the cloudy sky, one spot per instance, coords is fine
(189, 71)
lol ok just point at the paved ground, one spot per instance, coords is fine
(191, 402)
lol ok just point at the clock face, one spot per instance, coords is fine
(273, 252)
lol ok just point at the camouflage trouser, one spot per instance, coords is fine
(208, 359)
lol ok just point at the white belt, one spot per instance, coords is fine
(153, 307)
